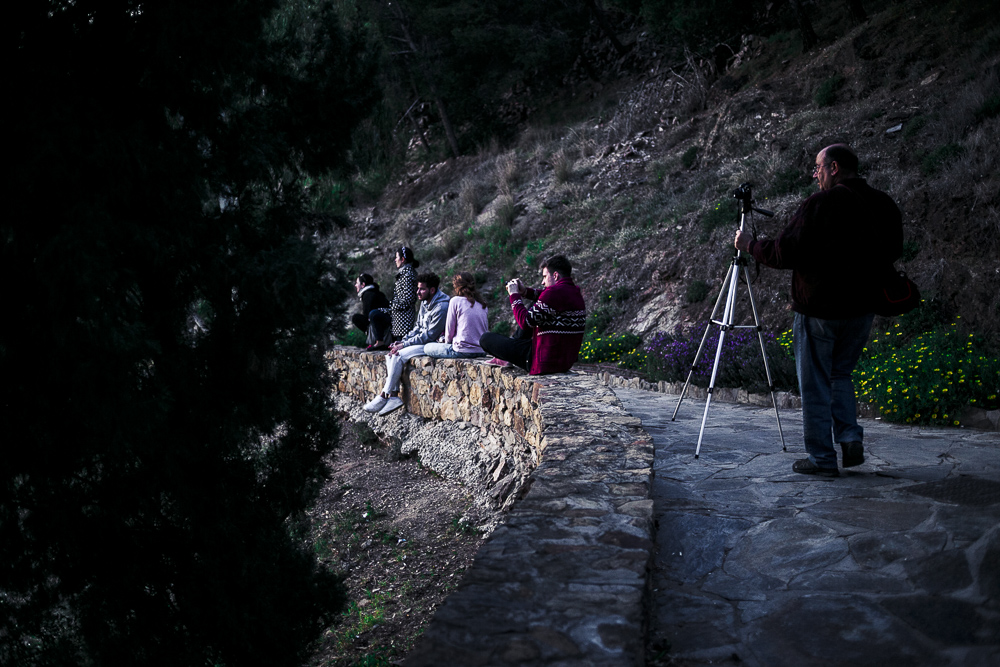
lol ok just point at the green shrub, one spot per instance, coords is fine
(620, 293)
(502, 327)
(689, 157)
(826, 93)
(929, 378)
(789, 181)
(533, 252)
(599, 318)
(496, 246)
(354, 337)
(914, 125)
(989, 108)
(696, 291)
(910, 250)
(938, 157)
(723, 213)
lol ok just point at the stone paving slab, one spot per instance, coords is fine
(896, 562)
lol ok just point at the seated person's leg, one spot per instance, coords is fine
(447, 351)
(381, 320)
(360, 321)
(394, 367)
(515, 350)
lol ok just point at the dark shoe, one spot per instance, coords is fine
(807, 467)
(854, 453)
(376, 347)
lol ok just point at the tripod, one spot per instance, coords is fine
(729, 285)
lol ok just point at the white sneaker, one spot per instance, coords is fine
(394, 403)
(376, 403)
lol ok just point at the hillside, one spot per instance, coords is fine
(639, 193)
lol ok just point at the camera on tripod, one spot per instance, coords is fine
(744, 193)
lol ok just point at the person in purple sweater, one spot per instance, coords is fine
(466, 322)
(836, 244)
(555, 322)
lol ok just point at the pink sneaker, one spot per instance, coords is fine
(498, 362)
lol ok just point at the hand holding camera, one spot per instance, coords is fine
(514, 286)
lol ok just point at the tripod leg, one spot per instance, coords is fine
(725, 325)
(704, 337)
(763, 354)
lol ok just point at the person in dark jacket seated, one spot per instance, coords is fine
(555, 322)
(371, 298)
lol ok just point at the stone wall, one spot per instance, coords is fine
(497, 441)
(565, 579)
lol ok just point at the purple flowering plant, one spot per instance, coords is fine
(669, 357)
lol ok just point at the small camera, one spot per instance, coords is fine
(744, 192)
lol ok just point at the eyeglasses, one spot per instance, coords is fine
(820, 166)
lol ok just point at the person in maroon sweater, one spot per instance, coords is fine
(838, 245)
(555, 322)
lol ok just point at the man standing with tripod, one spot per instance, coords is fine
(836, 244)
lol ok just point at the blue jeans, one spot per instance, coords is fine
(381, 323)
(448, 351)
(826, 352)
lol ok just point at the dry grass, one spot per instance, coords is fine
(584, 139)
(505, 210)
(562, 167)
(637, 112)
(507, 173)
(473, 195)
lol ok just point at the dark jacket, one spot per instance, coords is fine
(372, 298)
(838, 245)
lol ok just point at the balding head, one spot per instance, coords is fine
(834, 164)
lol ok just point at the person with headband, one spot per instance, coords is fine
(400, 317)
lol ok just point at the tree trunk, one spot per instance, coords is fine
(605, 28)
(448, 130)
(857, 12)
(809, 38)
(585, 62)
(419, 131)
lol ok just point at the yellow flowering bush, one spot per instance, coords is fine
(929, 378)
(608, 348)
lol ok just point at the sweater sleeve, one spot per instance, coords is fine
(539, 315)
(783, 252)
(451, 324)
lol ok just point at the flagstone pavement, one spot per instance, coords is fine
(896, 562)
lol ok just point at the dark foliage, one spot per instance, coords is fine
(165, 402)
(698, 23)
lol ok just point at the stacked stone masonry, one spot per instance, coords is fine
(565, 579)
